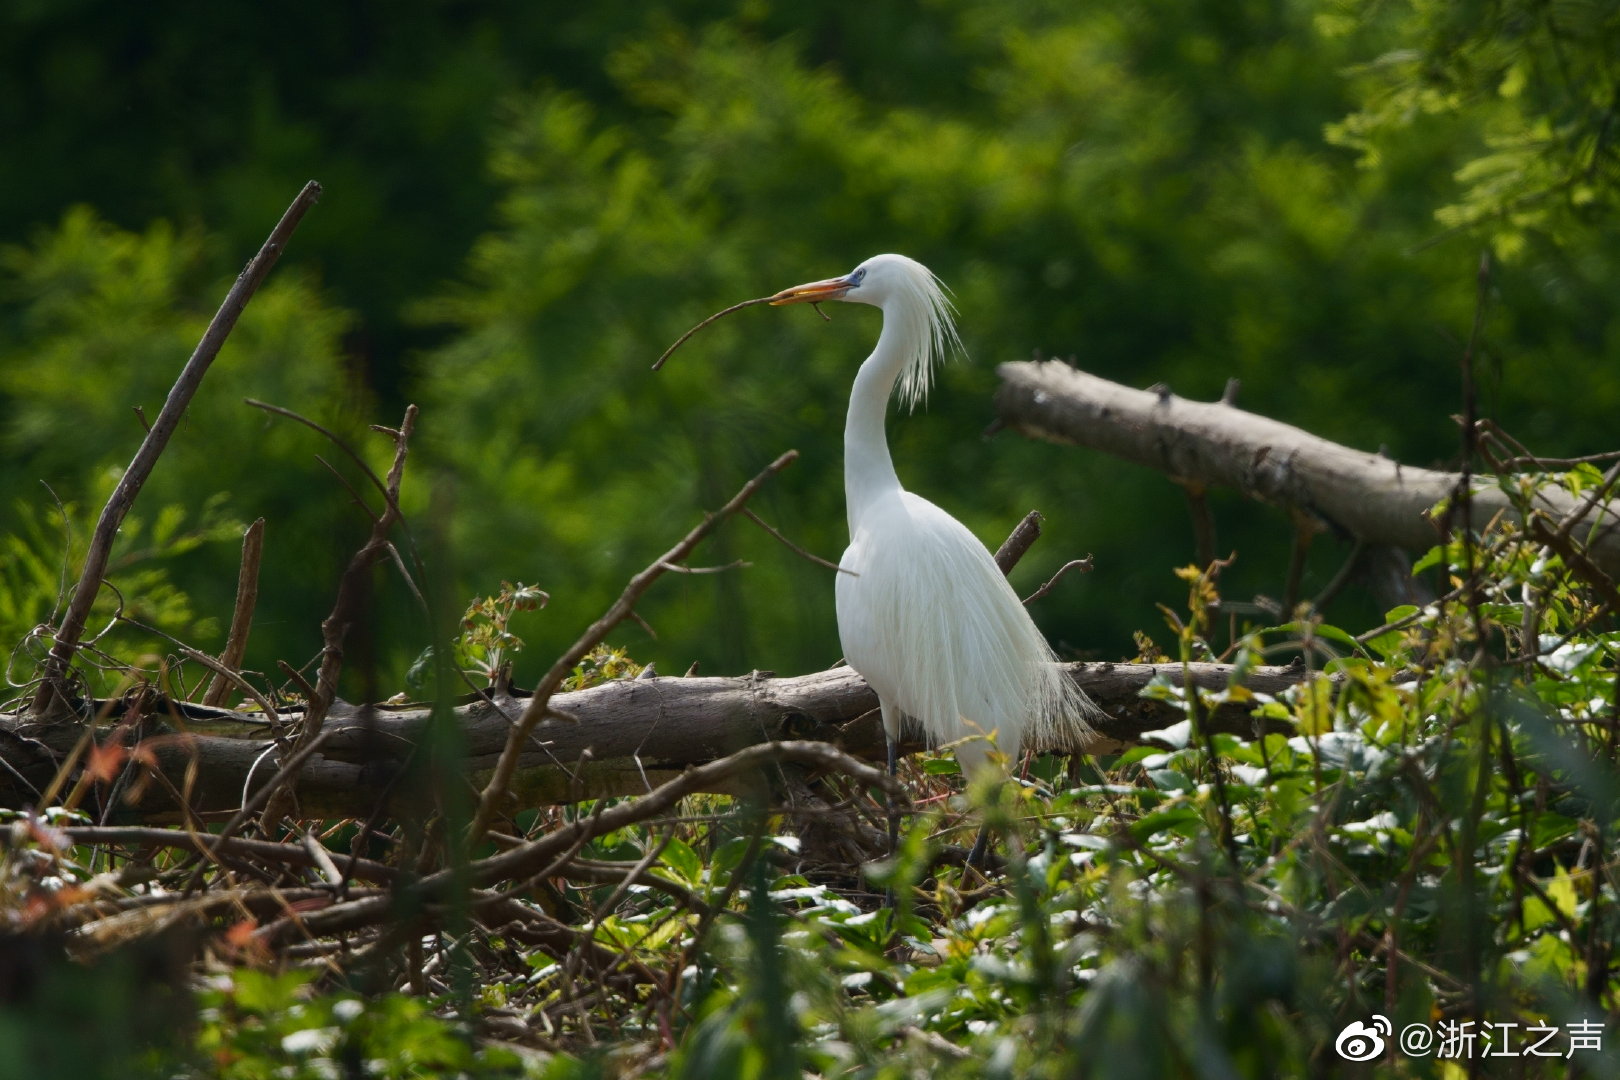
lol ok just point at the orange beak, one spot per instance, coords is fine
(814, 292)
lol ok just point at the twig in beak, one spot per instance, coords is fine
(682, 340)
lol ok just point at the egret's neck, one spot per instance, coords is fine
(868, 470)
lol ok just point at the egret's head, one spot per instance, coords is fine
(874, 282)
(911, 297)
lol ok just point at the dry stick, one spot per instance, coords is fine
(1082, 565)
(1305, 530)
(335, 627)
(719, 314)
(296, 677)
(1203, 522)
(1598, 493)
(331, 437)
(537, 709)
(1019, 541)
(1577, 560)
(227, 676)
(247, 597)
(52, 692)
(277, 783)
(532, 857)
(795, 548)
(345, 611)
(1340, 578)
(265, 850)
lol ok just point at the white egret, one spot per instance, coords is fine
(924, 613)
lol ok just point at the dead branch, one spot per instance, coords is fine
(538, 707)
(629, 736)
(1358, 494)
(750, 766)
(52, 695)
(1023, 536)
(347, 609)
(247, 597)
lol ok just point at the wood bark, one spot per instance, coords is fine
(619, 738)
(1355, 493)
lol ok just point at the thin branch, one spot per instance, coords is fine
(279, 782)
(795, 548)
(1598, 493)
(227, 676)
(1081, 565)
(677, 568)
(1341, 577)
(247, 597)
(1576, 559)
(1203, 522)
(268, 850)
(346, 612)
(297, 678)
(1305, 530)
(331, 437)
(345, 609)
(496, 790)
(52, 691)
(533, 857)
(719, 314)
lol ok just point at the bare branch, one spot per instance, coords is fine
(52, 693)
(247, 596)
(496, 790)
(625, 736)
(1023, 536)
(520, 863)
(1079, 565)
(795, 548)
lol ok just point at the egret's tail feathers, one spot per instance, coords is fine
(1064, 711)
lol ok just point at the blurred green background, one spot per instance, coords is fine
(526, 202)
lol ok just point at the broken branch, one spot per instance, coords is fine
(52, 693)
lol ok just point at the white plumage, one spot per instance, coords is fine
(924, 614)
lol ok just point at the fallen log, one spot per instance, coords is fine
(619, 738)
(1356, 493)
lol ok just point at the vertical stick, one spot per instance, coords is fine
(247, 596)
(52, 693)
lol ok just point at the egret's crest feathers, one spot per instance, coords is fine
(919, 301)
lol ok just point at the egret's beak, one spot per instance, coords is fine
(814, 293)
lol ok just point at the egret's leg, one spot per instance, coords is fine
(980, 846)
(975, 762)
(891, 736)
(894, 817)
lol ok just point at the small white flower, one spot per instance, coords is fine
(309, 1041)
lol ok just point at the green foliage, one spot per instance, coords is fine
(37, 555)
(1227, 906)
(1430, 840)
(103, 321)
(257, 1025)
(486, 642)
(1536, 84)
(1148, 191)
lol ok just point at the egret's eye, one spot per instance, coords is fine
(857, 276)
